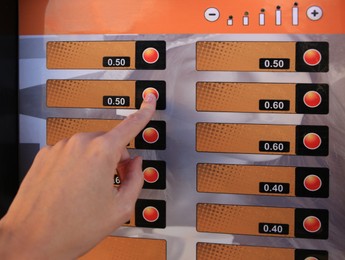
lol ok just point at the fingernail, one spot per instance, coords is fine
(150, 97)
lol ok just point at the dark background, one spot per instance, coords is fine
(9, 178)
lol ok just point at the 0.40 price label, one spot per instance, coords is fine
(274, 229)
(272, 187)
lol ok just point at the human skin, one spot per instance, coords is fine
(67, 202)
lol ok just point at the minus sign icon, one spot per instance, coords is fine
(212, 14)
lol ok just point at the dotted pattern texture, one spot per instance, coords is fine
(230, 219)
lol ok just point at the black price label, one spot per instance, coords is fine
(275, 229)
(273, 187)
(274, 146)
(115, 101)
(269, 63)
(116, 62)
(274, 105)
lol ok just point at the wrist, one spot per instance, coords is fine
(13, 245)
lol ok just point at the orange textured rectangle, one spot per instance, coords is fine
(88, 93)
(62, 128)
(242, 56)
(88, 55)
(242, 138)
(122, 248)
(230, 219)
(243, 179)
(208, 251)
(230, 97)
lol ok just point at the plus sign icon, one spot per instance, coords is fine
(314, 13)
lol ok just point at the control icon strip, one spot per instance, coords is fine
(262, 56)
(152, 137)
(210, 251)
(109, 94)
(262, 139)
(262, 221)
(263, 180)
(262, 97)
(113, 55)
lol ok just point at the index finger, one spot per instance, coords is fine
(130, 127)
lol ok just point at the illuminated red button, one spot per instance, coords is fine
(150, 214)
(312, 224)
(152, 91)
(150, 55)
(150, 135)
(312, 99)
(312, 182)
(151, 175)
(311, 258)
(312, 57)
(312, 141)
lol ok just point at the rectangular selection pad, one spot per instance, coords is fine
(145, 249)
(262, 97)
(151, 137)
(128, 55)
(103, 93)
(266, 139)
(262, 56)
(263, 180)
(208, 251)
(262, 221)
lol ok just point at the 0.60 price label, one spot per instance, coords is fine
(274, 229)
(275, 147)
(274, 105)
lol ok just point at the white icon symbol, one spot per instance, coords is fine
(262, 17)
(314, 13)
(230, 21)
(246, 19)
(295, 14)
(278, 16)
(212, 14)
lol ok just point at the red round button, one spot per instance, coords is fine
(152, 91)
(312, 99)
(312, 182)
(150, 55)
(150, 214)
(312, 141)
(312, 224)
(311, 258)
(150, 135)
(151, 175)
(312, 57)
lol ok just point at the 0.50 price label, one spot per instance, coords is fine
(269, 63)
(117, 62)
(115, 101)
